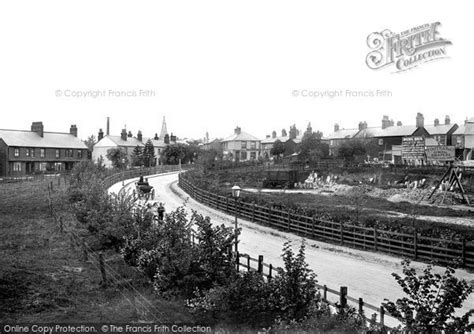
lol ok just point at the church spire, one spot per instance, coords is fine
(164, 130)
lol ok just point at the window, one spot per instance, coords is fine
(57, 154)
(243, 155)
(79, 154)
(458, 140)
(253, 155)
(16, 153)
(27, 152)
(380, 141)
(42, 153)
(58, 166)
(43, 165)
(244, 145)
(32, 151)
(253, 145)
(331, 142)
(17, 166)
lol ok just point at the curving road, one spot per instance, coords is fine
(366, 274)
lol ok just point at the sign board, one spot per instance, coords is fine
(413, 148)
(440, 153)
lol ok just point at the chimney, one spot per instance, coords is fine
(123, 135)
(172, 138)
(156, 136)
(237, 130)
(73, 130)
(399, 123)
(139, 136)
(336, 127)
(130, 134)
(167, 139)
(436, 122)
(268, 136)
(385, 122)
(420, 120)
(274, 134)
(392, 123)
(38, 128)
(447, 120)
(362, 125)
(108, 126)
(101, 135)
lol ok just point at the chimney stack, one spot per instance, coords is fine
(167, 139)
(274, 134)
(172, 138)
(108, 126)
(101, 135)
(362, 125)
(336, 127)
(436, 122)
(420, 120)
(447, 120)
(139, 136)
(399, 123)
(267, 136)
(123, 135)
(73, 130)
(38, 128)
(156, 136)
(237, 130)
(385, 122)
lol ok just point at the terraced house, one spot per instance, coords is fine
(25, 152)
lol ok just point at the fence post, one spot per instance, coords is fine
(253, 212)
(415, 244)
(227, 205)
(312, 226)
(269, 218)
(237, 260)
(343, 297)
(51, 183)
(289, 220)
(248, 262)
(361, 306)
(341, 233)
(382, 315)
(375, 238)
(103, 283)
(260, 264)
(463, 252)
(270, 271)
(325, 293)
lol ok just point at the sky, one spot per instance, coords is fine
(209, 66)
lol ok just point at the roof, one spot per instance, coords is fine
(440, 129)
(460, 130)
(282, 139)
(25, 138)
(342, 134)
(391, 131)
(242, 136)
(118, 141)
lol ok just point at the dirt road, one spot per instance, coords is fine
(366, 274)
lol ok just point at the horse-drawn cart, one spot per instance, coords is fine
(144, 191)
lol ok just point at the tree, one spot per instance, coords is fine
(137, 156)
(278, 148)
(149, 154)
(431, 302)
(312, 147)
(90, 142)
(351, 150)
(118, 157)
(173, 153)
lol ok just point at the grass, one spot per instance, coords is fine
(44, 277)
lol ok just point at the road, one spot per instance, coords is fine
(366, 274)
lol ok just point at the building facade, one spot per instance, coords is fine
(37, 151)
(241, 146)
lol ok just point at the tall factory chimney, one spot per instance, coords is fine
(108, 126)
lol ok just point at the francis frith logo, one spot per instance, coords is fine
(407, 49)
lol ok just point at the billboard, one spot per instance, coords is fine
(440, 153)
(413, 148)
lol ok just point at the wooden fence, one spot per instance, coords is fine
(133, 173)
(415, 246)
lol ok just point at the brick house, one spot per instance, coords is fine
(337, 137)
(463, 140)
(25, 152)
(241, 146)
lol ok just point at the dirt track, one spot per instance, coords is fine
(366, 274)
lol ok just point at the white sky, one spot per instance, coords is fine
(217, 64)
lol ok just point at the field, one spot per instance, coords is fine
(45, 277)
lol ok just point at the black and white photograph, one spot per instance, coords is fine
(236, 167)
